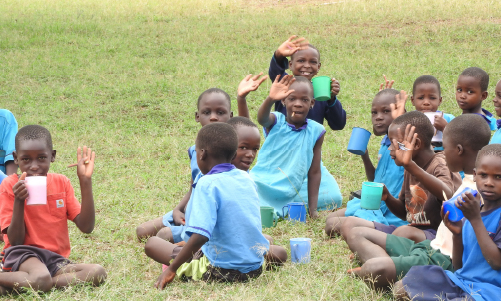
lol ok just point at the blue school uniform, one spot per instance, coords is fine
(491, 120)
(392, 176)
(448, 118)
(8, 131)
(496, 138)
(225, 208)
(284, 161)
(476, 279)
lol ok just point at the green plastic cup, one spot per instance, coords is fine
(371, 195)
(269, 217)
(321, 88)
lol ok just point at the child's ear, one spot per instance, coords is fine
(53, 156)
(319, 65)
(203, 154)
(459, 149)
(283, 102)
(419, 143)
(312, 103)
(439, 100)
(14, 154)
(412, 100)
(474, 174)
(484, 95)
(197, 118)
(231, 114)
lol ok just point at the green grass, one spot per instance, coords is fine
(123, 77)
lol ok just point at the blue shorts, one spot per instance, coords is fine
(177, 231)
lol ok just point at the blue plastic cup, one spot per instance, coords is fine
(455, 214)
(372, 193)
(300, 250)
(296, 211)
(358, 141)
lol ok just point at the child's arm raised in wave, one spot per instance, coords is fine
(248, 84)
(86, 219)
(398, 108)
(314, 177)
(279, 90)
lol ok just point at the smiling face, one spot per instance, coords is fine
(469, 94)
(213, 107)
(488, 178)
(381, 113)
(34, 157)
(298, 102)
(426, 97)
(249, 141)
(305, 63)
(497, 99)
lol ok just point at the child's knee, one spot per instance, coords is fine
(276, 255)
(166, 234)
(40, 281)
(333, 225)
(151, 245)
(97, 274)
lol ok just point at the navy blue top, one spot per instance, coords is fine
(334, 114)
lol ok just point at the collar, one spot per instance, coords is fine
(498, 123)
(221, 168)
(386, 141)
(485, 115)
(293, 127)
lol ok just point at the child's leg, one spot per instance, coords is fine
(150, 228)
(352, 222)
(399, 292)
(269, 238)
(378, 273)
(334, 221)
(411, 233)
(276, 256)
(78, 273)
(367, 243)
(159, 250)
(166, 234)
(32, 273)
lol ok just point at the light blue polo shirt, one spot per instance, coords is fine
(8, 131)
(192, 153)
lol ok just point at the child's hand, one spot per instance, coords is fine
(440, 122)
(313, 214)
(20, 190)
(469, 205)
(280, 88)
(385, 194)
(291, 46)
(454, 227)
(178, 217)
(403, 150)
(85, 161)
(165, 278)
(335, 87)
(386, 85)
(398, 108)
(250, 83)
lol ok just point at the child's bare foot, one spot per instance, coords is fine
(354, 271)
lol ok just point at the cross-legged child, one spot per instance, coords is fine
(496, 138)
(37, 244)
(387, 258)
(426, 179)
(292, 149)
(226, 228)
(476, 244)
(249, 142)
(305, 61)
(386, 172)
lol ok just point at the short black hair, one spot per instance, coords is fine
(480, 75)
(33, 132)
(469, 130)
(241, 121)
(426, 79)
(388, 91)
(424, 128)
(312, 47)
(220, 139)
(303, 80)
(489, 150)
(214, 90)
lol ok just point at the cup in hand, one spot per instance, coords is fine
(438, 134)
(321, 88)
(372, 193)
(358, 141)
(37, 190)
(455, 214)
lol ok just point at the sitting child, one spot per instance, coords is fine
(476, 244)
(386, 172)
(249, 142)
(292, 150)
(496, 138)
(387, 258)
(8, 130)
(37, 244)
(226, 229)
(426, 179)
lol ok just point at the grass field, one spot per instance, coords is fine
(123, 77)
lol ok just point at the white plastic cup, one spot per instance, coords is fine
(438, 134)
(37, 190)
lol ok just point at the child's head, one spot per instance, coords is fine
(463, 137)
(497, 99)
(216, 143)
(34, 151)
(299, 102)
(426, 94)
(305, 62)
(423, 128)
(381, 111)
(488, 172)
(214, 105)
(471, 88)
(249, 141)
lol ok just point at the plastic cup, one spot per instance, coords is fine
(321, 88)
(371, 195)
(358, 141)
(37, 190)
(438, 134)
(455, 214)
(300, 250)
(269, 217)
(296, 211)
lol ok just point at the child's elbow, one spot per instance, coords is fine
(496, 266)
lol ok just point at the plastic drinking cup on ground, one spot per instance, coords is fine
(358, 141)
(296, 211)
(455, 214)
(438, 134)
(269, 217)
(321, 88)
(372, 193)
(300, 250)
(37, 190)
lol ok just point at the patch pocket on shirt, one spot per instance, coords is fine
(57, 205)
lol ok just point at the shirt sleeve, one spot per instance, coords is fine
(72, 204)
(9, 135)
(6, 202)
(203, 216)
(442, 172)
(335, 116)
(497, 235)
(277, 67)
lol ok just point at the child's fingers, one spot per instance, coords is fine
(291, 81)
(22, 177)
(262, 79)
(79, 154)
(288, 93)
(400, 135)
(291, 38)
(255, 77)
(381, 87)
(411, 132)
(277, 79)
(247, 77)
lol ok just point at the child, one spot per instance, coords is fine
(476, 244)
(37, 244)
(386, 172)
(305, 61)
(471, 90)
(496, 138)
(293, 146)
(387, 258)
(227, 229)
(426, 179)
(249, 142)
(8, 126)
(427, 97)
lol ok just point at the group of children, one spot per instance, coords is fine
(215, 232)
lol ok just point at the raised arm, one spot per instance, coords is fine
(314, 177)
(279, 90)
(86, 219)
(17, 230)
(248, 84)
